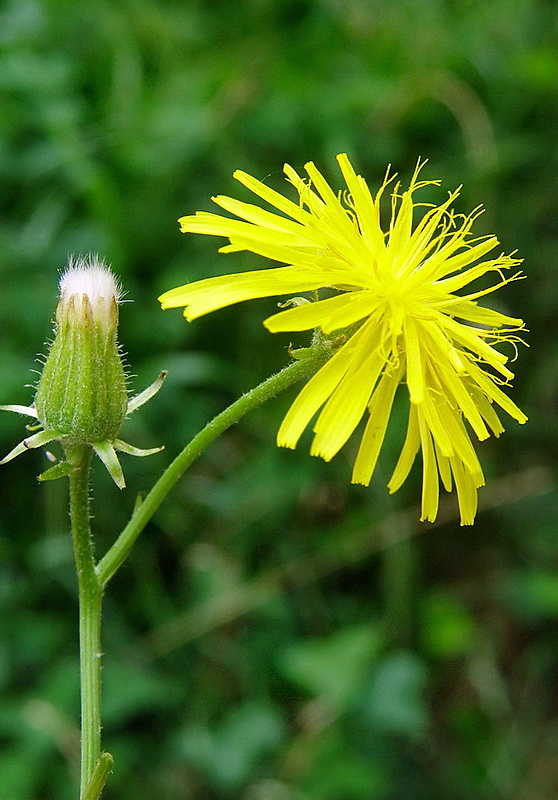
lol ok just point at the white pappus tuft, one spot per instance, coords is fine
(92, 277)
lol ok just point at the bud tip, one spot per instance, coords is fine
(91, 277)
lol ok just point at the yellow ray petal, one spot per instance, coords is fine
(272, 197)
(493, 392)
(331, 314)
(415, 363)
(444, 469)
(259, 216)
(209, 294)
(375, 431)
(316, 392)
(408, 452)
(366, 208)
(430, 485)
(467, 496)
(347, 404)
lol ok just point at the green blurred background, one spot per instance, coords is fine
(277, 634)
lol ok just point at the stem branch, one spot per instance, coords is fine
(109, 564)
(99, 777)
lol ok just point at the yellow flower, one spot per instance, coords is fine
(393, 312)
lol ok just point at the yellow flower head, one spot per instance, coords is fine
(393, 308)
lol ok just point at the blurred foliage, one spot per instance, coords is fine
(277, 634)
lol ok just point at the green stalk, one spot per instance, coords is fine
(90, 599)
(92, 577)
(99, 777)
(110, 563)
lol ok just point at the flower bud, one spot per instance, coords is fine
(82, 390)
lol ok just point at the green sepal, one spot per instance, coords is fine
(106, 452)
(130, 450)
(27, 411)
(37, 440)
(59, 470)
(141, 398)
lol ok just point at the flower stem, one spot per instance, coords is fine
(109, 564)
(90, 599)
